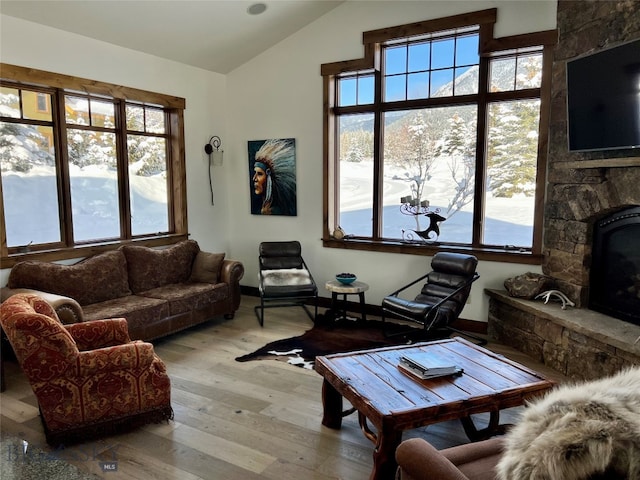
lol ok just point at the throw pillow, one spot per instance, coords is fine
(152, 268)
(206, 267)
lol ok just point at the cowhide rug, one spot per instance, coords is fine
(328, 336)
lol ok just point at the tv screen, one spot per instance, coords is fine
(603, 99)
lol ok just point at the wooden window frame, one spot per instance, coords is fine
(488, 47)
(176, 166)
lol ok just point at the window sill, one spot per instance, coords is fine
(86, 250)
(492, 255)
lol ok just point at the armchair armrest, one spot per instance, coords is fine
(131, 356)
(99, 333)
(404, 287)
(419, 460)
(231, 272)
(68, 310)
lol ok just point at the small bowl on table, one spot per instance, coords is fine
(346, 278)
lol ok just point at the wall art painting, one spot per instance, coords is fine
(272, 176)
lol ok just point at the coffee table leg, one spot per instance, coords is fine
(384, 459)
(332, 406)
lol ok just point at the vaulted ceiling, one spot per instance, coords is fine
(216, 35)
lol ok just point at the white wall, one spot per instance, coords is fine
(31, 45)
(279, 94)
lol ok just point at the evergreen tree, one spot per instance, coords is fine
(513, 148)
(21, 146)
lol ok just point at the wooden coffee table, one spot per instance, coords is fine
(393, 402)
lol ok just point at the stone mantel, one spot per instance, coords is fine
(602, 163)
(577, 342)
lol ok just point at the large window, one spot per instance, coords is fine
(436, 139)
(81, 168)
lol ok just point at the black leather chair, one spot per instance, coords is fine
(441, 299)
(285, 279)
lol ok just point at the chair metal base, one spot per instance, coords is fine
(259, 309)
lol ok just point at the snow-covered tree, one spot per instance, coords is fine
(356, 145)
(411, 146)
(147, 155)
(513, 148)
(513, 136)
(22, 146)
(459, 145)
(87, 147)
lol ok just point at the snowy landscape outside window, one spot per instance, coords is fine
(441, 135)
(84, 169)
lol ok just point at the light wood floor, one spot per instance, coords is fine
(253, 420)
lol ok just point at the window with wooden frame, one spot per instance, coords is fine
(104, 165)
(436, 139)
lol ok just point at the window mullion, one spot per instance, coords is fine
(481, 153)
(378, 177)
(62, 160)
(123, 169)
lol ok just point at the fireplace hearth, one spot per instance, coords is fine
(614, 287)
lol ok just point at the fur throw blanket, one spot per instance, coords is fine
(578, 432)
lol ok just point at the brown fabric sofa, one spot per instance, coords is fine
(158, 291)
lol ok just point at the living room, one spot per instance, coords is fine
(278, 94)
(285, 103)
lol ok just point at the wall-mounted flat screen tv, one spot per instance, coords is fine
(603, 99)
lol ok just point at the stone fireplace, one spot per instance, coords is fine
(582, 190)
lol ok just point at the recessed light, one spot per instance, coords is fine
(256, 8)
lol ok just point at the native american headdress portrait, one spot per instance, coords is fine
(274, 177)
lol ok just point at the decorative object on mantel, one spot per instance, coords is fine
(414, 207)
(557, 294)
(527, 285)
(338, 233)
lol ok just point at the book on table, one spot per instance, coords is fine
(427, 365)
(419, 375)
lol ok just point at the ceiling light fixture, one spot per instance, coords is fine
(256, 8)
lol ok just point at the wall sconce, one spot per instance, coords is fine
(212, 149)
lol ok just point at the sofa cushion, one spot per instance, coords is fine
(152, 268)
(139, 312)
(190, 296)
(206, 267)
(92, 280)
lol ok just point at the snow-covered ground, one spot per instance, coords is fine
(509, 221)
(32, 215)
(31, 206)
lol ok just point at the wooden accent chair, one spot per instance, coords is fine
(441, 298)
(89, 378)
(284, 278)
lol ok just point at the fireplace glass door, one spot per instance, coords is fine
(615, 269)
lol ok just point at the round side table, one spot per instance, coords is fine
(355, 288)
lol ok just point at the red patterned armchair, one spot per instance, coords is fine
(89, 378)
